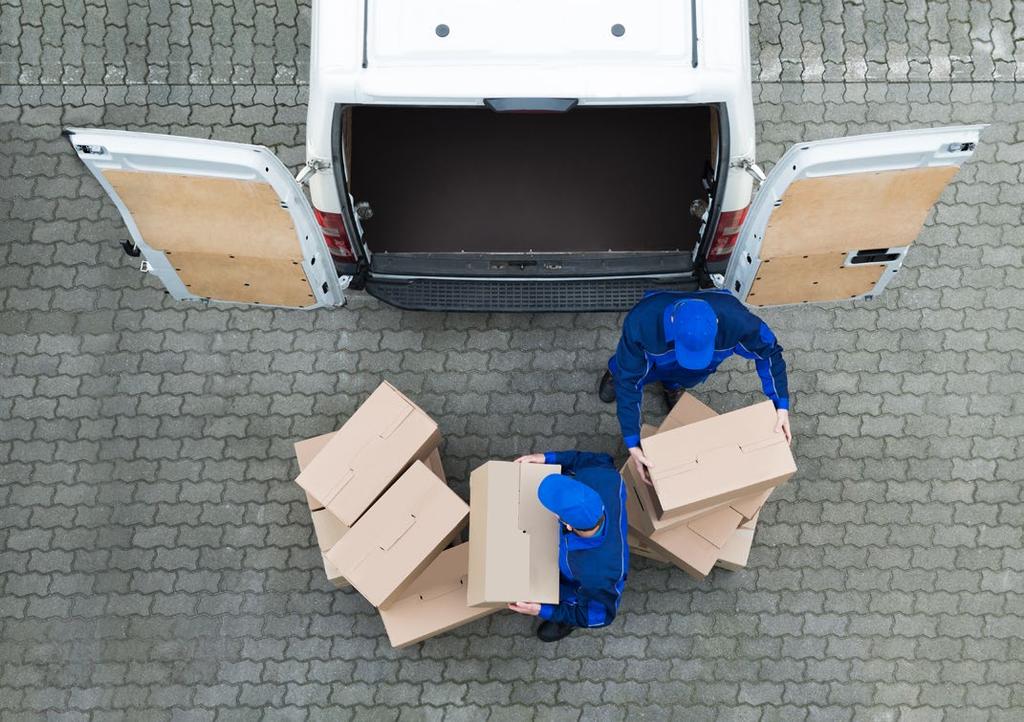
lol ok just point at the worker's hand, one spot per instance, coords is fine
(531, 459)
(641, 463)
(531, 609)
(783, 425)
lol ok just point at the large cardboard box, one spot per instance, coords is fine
(378, 442)
(399, 535)
(641, 506)
(513, 539)
(328, 528)
(434, 602)
(718, 459)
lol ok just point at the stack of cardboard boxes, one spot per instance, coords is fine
(388, 525)
(385, 522)
(710, 475)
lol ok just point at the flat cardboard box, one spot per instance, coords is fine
(736, 552)
(328, 528)
(434, 602)
(686, 549)
(694, 545)
(718, 459)
(374, 447)
(400, 535)
(513, 539)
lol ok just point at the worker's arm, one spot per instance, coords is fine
(592, 608)
(771, 367)
(629, 391)
(573, 461)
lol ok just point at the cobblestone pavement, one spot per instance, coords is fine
(157, 563)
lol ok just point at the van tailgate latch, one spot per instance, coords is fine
(751, 168)
(313, 165)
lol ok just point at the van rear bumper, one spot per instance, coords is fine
(522, 295)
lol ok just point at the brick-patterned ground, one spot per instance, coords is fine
(157, 562)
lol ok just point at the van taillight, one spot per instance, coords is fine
(729, 225)
(335, 234)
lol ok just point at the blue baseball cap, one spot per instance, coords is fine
(570, 500)
(692, 325)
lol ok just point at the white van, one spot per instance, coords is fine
(528, 156)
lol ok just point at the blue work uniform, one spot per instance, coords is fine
(644, 355)
(592, 569)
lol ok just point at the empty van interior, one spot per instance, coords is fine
(471, 180)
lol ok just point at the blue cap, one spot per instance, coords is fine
(570, 500)
(692, 325)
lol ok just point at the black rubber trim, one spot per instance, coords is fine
(693, 27)
(700, 261)
(433, 294)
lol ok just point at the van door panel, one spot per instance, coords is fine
(825, 202)
(216, 221)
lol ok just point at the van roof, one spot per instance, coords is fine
(494, 32)
(406, 50)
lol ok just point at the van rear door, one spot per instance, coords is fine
(835, 218)
(214, 220)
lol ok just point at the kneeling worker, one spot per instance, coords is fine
(589, 499)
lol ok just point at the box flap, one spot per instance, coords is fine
(718, 525)
(751, 504)
(328, 528)
(685, 548)
(307, 449)
(433, 462)
(687, 410)
(399, 535)
(736, 552)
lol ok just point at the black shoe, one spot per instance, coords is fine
(553, 631)
(606, 389)
(672, 397)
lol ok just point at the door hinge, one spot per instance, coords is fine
(313, 165)
(752, 168)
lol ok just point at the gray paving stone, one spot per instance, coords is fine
(883, 578)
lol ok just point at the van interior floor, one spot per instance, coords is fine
(443, 180)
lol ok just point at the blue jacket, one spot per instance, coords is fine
(643, 353)
(593, 570)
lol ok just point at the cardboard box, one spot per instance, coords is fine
(641, 506)
(434, 602)
(328, 528)
(717, 459)
(359, 462)
(513, 539)
(736, 552)
(399, 535)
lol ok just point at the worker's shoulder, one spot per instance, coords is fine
(654, 302)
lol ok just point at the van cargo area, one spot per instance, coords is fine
(592, 180)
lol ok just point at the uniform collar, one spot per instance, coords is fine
(575, 541)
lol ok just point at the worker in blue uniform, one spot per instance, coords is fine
(679, 339)
(589, 499)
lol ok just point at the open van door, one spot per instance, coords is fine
(835, 218)
(214, 220)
